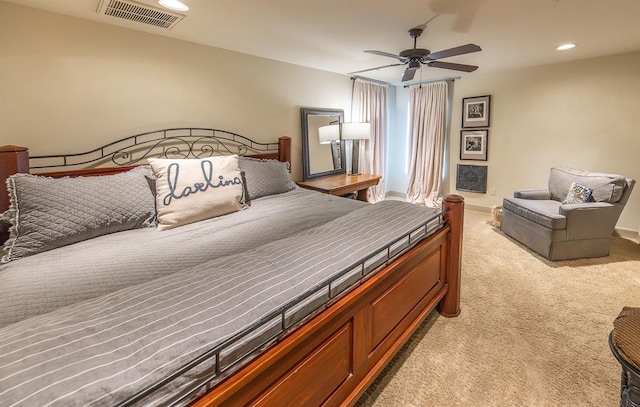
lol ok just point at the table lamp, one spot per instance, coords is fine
(355, 132)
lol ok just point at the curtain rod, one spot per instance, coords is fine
(354, 77)
(433, 80)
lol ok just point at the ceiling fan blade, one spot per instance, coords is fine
(455, 67)
(451, 52)
(373, 69)
(409, 73)
(387, 54)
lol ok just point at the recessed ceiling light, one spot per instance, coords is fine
(174, 5)
(564, 47)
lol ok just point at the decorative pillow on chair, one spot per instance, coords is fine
(578, 194)
(265, 177)
(190, 190)
(47, 213)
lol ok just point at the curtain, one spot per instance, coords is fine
(428, 107)
(369, 104)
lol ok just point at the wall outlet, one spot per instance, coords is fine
(492, 191)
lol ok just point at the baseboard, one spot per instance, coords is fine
(627, 234)
(477, 208)
(395, 196)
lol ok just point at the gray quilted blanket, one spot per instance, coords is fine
(88, 269)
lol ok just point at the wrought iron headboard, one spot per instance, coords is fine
(185, 142)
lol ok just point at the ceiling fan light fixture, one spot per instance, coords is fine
(175, 5)
(565, 47)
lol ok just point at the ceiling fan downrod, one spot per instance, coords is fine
(415, 33)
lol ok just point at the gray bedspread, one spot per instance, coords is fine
(102, 350)
(49, 280)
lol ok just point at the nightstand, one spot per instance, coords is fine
(343, 184)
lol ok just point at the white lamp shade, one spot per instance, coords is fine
(356, 131)
(329, 133)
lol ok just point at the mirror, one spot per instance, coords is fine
(322, 158)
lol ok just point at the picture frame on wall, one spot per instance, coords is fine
(474, 144)
(476, 111)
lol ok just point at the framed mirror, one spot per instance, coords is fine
(322, 150)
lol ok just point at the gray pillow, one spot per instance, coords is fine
(265, 177)
(47, 213)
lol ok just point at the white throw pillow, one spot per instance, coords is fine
(190, 190)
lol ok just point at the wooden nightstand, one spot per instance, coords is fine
(342, 184)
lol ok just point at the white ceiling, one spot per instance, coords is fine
(332, 34)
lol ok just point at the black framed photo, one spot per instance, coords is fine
(476, 111)
(472, 178)
(474, 144)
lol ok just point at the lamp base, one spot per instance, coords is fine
(355, 157)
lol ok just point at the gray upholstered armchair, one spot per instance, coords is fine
(544, 221)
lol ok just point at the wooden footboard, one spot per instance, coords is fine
(331, 359)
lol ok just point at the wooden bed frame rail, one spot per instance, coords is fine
(333, 357)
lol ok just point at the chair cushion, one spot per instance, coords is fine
(543, 212)
(606, 187)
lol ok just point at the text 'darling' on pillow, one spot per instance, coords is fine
(190, 190)
(265, 177)
(47, 213)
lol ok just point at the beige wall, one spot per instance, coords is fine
(68, 84)
(580, 114)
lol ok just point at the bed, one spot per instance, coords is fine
(298, 298)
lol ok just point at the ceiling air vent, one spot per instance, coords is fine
(140, 13)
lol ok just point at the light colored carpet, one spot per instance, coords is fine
(531, 332)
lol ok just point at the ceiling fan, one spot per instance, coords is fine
(416, 56)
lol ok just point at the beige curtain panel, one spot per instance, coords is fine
(428, 107)
(370, 105)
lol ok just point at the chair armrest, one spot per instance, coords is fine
(590, 220)
(539, 194)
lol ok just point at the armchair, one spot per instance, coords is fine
(544, 221)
